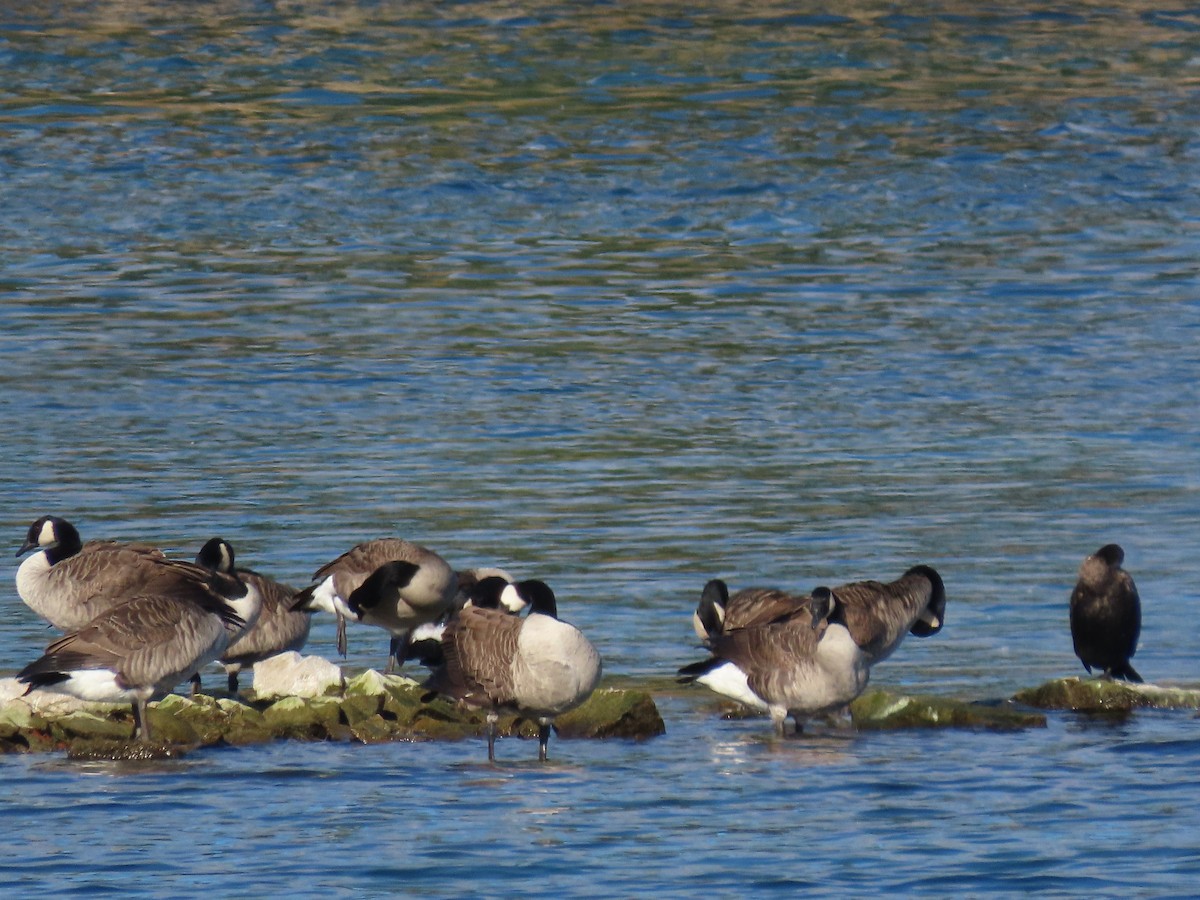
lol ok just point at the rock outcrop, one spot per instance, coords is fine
(294, 698)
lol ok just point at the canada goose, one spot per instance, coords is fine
(278, 628)
(146, 644)
(718, 612)
(68, 583)
(425, 643)
(1106, 614)
(877, 615)
(536, 666)
(70, 590)
(391, 583)
(802, 664)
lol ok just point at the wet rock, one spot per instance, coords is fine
(82, 725)
(100, 749)
(371, 707)
(373, 730)
(879, 710)
(300, 718)
(1106, 695)
(243, 724)
(359, 707)
(19, 716)
(611, 713)
(438, 720)
(375, 684)
(202, 716)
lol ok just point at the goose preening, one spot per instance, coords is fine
(878, 615)
(536, 666)
(1106, 614)
(146, 644)
(718, 612)
(802, 663)
(278, 628)
(425, 643)
(390, 583)
(68, 583)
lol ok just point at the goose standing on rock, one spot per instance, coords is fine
(536, 666)
(425, 644)
(277, 630)
(803, 663)
(1106, 614)
(146, 644)
(878, 615)
(390, 583)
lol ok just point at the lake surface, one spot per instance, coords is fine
(624, 298)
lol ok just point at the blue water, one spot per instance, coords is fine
(623, 298)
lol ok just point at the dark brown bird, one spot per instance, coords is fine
(1106, 615)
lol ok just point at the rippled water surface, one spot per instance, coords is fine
(623, 297)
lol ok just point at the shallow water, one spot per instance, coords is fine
(623, 298)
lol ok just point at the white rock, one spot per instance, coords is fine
(47, 703)
(292, 675)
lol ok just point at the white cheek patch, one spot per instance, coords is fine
(46, 536)
(511, 600)
(930, 619)
(430, 631)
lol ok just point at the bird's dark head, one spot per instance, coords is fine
(932, 616)
(1112, 554)
(382, 586)
(485, 593)
(826, 608)
(710, 612)
(539, 597)
(217, 555)
(51, 533)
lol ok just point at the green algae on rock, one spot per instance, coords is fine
(372, 708)
(1106, 695)
(612, 713)
(878, 710)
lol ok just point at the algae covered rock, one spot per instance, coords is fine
(878, 710)
(1106, 695)
(611, 713)
(369, 708)
(301, 718)
(372, 683)
(83, 725)
(243, 724)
